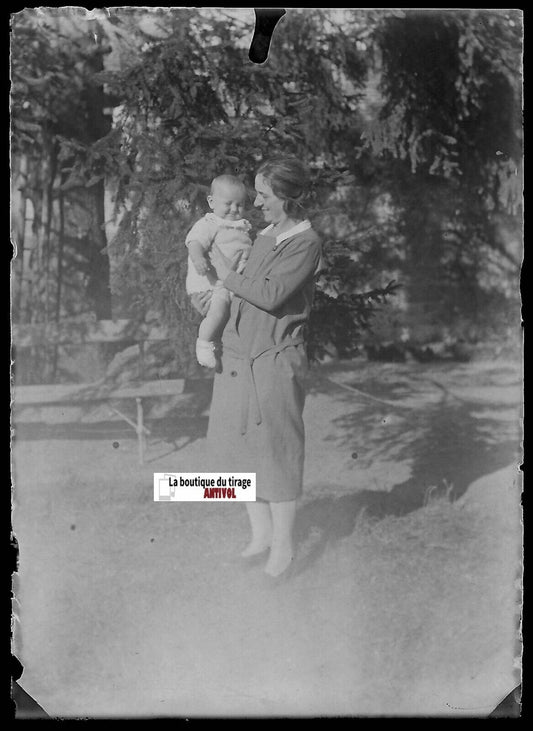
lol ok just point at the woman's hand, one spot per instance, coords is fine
(222, 265)
(200, 301)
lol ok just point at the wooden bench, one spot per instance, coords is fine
(103, 331)
(57, 395)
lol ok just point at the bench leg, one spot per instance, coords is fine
(128, 420)
(140, 429)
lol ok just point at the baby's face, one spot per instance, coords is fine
(227, 201)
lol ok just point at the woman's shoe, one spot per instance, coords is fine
(254, 560)
(271, 582)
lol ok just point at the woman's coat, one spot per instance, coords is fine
(256, 423)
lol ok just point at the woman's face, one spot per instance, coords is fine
(268, 202)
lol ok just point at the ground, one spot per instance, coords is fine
(406, 598)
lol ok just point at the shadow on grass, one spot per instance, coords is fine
(183, 422)
(449, 446)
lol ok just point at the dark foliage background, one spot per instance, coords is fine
(409, 119)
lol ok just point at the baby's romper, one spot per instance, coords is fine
(230, 236)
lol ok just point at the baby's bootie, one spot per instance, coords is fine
(205, 353)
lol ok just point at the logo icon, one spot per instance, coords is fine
(166, 490)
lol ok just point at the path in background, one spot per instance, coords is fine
(409, 557)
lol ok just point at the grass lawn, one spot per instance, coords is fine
(407, 596)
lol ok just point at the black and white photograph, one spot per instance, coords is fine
(270, 256)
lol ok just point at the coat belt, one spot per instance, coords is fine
(249, 387)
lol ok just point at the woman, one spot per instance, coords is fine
(255, 422)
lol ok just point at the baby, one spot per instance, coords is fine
(225, 227)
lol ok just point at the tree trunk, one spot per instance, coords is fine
(98, 125)
(98, 286)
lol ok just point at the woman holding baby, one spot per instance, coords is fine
(256, 423)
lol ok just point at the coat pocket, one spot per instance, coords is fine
(292, 361)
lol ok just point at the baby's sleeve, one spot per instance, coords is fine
(202, 233)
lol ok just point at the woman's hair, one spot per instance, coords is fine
(289, 179)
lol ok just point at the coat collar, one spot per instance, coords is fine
(297, 229)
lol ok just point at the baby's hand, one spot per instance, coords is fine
(201, 265)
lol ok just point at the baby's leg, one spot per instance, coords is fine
(217, 316)
(212, 326)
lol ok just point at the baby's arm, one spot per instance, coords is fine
(198, 256)
(198, 242)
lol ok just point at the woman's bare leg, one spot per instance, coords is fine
(261, 525)
(281, 551)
